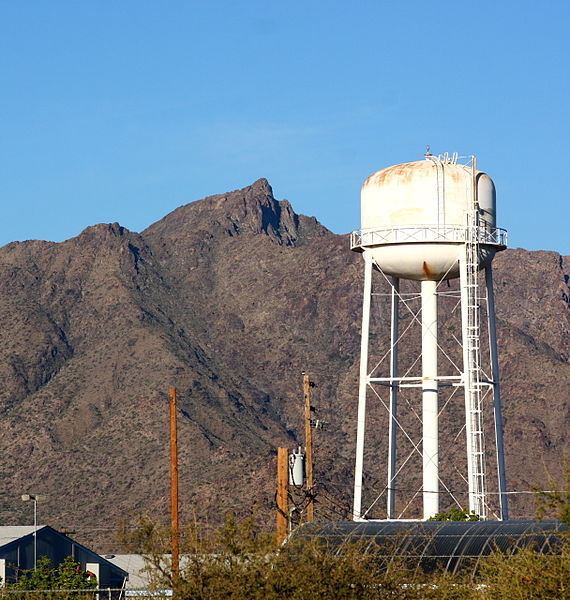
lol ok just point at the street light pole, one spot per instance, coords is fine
(34, 498)
(35, 533)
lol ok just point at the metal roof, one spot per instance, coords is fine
(9, 533)
(16, 549)
(451, 544)
(134, 565)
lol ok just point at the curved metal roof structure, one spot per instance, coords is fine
(453, 545)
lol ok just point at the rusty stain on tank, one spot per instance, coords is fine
(403, 173)
(427, 270)
(407, 172)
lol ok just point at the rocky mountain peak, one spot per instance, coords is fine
(250, 210)
(110, 233)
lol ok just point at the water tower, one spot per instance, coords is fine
(432, 221)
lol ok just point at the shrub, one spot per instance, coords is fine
(527, 575)
(455, 513)
(66, 576)
(239, 562)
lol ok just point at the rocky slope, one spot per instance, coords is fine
(228, 299)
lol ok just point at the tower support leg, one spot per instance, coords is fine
(363, 385)
(393, 416)
(503, 501)
(430, 450)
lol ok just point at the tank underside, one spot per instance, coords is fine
(424, 261)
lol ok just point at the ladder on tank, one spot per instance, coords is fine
(472, 365)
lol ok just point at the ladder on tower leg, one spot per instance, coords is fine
(473, 369)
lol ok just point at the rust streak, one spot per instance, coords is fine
(427, 270)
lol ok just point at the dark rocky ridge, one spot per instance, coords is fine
(228, 299)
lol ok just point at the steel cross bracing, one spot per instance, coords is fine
(394, 383)
(476, 388)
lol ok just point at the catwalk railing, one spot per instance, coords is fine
(407, 234)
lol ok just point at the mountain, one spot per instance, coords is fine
(228, 299)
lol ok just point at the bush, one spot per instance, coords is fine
(527, 575)
(556, 501)
(66, 576)
(239, 562)
(455, 514)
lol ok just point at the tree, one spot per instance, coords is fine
(455, 513)
(42, 578)
(68, 575)
(556, 501)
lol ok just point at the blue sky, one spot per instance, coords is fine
(122, 111)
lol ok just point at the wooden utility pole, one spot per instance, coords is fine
(282, 504)
(174, 486)
(308, 446)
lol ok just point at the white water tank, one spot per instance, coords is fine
(414, 217)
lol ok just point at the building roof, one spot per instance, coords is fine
(53, 544)
(434, 544)
(9, 533)
(134, 565)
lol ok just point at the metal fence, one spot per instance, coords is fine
(84, 594)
